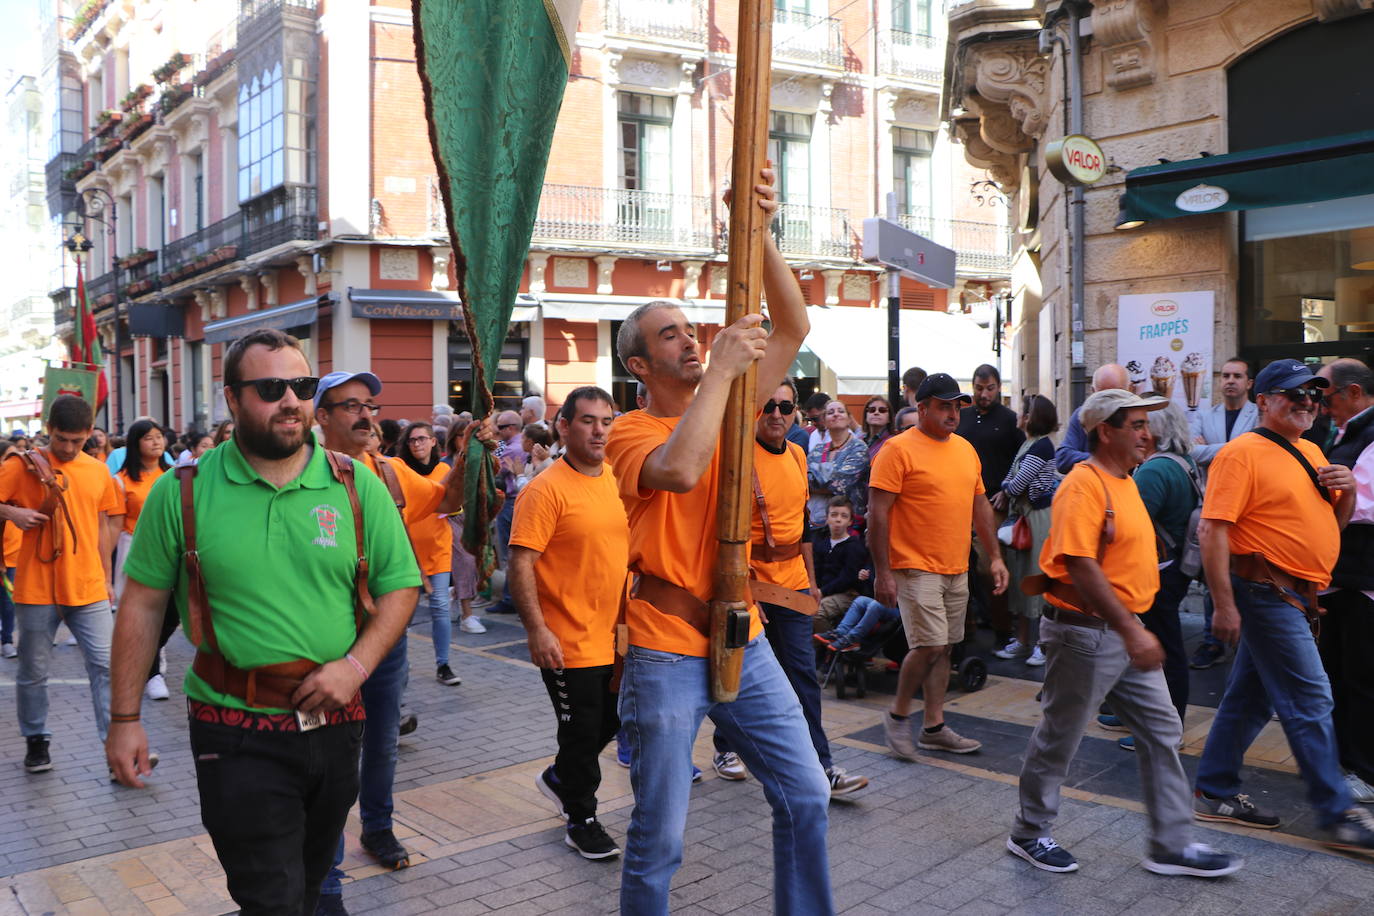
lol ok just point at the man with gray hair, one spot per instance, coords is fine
(1074, 447)
(533, 410)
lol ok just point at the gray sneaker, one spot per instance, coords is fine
(948, 740)
(899, 738)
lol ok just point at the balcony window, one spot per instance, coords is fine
(275, 129)
(646, 134)
(911, 169)
(789, 147)
(911, 16)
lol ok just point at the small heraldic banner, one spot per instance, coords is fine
(60, 380)
(1165, 342)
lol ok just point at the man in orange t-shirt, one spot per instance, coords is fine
(781, 563)
(665, 459)
(13, 541)
(570, 545)
(64, 571)
(1270, 540)
(1101, 561)
(923, 502)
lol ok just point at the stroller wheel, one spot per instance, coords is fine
(973, 674)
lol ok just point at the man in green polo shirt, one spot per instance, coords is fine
(275, 534)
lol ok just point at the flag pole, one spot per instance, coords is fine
(744, 280)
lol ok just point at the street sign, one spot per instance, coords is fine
(893, 245)
(1076, 160)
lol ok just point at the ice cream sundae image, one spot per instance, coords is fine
(1137, 373)
(1192, 378)
(1162, 376)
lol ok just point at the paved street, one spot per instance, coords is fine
(923, 838)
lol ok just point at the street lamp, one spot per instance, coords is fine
(79, 243)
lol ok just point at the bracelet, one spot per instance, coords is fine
(124, 717)
(357, 664)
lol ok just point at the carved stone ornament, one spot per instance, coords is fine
(856, 287)
(398, 264)
(268, 279)
(605, 265)
(691, 278)
(832, 286)
(249, 284)
(571, 272)
(1016, 77)
(720, 275)
(650, 73)
(1123, 30)
(441, 256)
(1328, 10)
(539, 262)
(913, 109)
(305, 266)
(1001, 166)
(793, 93)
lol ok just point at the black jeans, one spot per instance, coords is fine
(1347, 650)
(274, 804)
(1162, 620)
(789, 633)
(587, 722)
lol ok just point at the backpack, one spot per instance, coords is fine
(1190, 554)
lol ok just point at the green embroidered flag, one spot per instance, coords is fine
(493, 73)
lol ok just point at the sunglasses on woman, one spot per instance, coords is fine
(272, 390)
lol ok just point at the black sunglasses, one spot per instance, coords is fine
(272, 390)
(508, 426)
(1298, 394)
(785, 406)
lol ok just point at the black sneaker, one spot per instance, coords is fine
(409, 722)
(386, 849)
(330, 905)
(590, 839)
(1198, 860)
(1206, 655)
(1044, 853)
(1354, 832)
(1238, 809)
(546, 782)
(37, 759)
(444, 675)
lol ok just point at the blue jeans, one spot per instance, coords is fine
(381, 694)
(7, 611)
(663, 700)
(864, 616)
(1207, 638)
(92, 625)
(1277, 662)
(440, 624)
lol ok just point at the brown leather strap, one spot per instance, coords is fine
(768, 593)
(342, 467)
(622, 638)
(197, 603)
(763, 510)
(39, 463)
(393, 483)
(1073, 618)
(774, 553)
(675, 600)
(267, 686)
(1257, 568)
(1040, 583)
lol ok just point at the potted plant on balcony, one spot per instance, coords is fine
(226, 252)
(137, 257)
(172, 97)
(214, 67)
(106, 121)
(88, 13)
(174, 65)
(135, 97)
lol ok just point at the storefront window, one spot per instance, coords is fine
(508, 386)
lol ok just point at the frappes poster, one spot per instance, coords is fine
(1165, 342)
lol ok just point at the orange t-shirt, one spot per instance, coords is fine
(1272, 506)
(672, 535)
(14, 540)
(422, 494)
(431, 535)
(135, 493)
(1131, 561)
(77, 577)
(578, 525)
(783, 481)
(931, 523)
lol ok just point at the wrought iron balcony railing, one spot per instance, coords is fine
(287, 214)
(816, 231)
(612, 216)
(981, 249)
(911, 55)
(672, 20)
(804, 37)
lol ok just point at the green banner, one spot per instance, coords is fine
(60, 380)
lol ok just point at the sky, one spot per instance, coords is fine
(21, 39)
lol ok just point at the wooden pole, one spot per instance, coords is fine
(745, 283)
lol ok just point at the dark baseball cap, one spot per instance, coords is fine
(1287, 373)
(941, 385)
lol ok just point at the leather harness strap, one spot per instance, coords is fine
(1067, 592)
(393, 485)
(770, 551)
(1257, 568)
(267, 685)
(38, 462)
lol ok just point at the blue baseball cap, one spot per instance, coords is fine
(335, 379)
(1287, 373)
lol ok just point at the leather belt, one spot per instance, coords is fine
(1256, 568)
(677, 601)
(269, 685)
(1073, 618)
(774, 553)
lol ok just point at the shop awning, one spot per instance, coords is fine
(297, 314)
(424, 305)
(852, 342)
(1273, 176)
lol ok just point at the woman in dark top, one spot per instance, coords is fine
(1030, 486)
(877, 424)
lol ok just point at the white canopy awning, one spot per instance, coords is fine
(852, 342)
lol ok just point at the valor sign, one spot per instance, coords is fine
(1076, 160)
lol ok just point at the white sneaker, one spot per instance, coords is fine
(472, 625)
(8, 650)
(1360, 790)
(1036, 658)
(1012, 649)
(156, 688)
